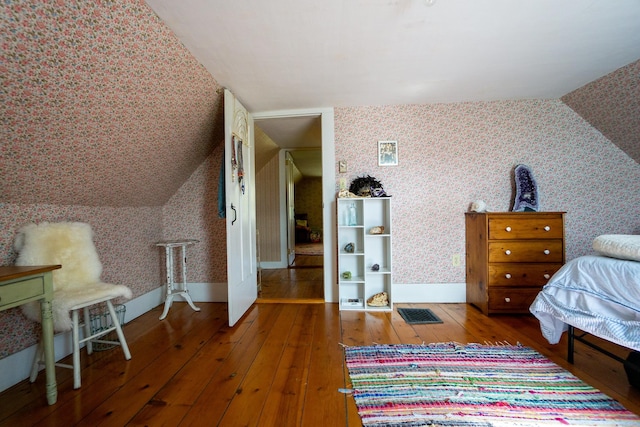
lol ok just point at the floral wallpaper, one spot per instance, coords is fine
(192, 213)
(453, 154)
(612, 105)
(101, 105)
(104, 116)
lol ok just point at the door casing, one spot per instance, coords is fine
(329, 189)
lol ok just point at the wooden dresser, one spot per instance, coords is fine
(510, 256)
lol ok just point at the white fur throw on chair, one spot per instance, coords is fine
(69, 244)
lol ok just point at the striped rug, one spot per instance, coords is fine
(473, 385)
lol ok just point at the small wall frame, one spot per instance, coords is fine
(387, 153)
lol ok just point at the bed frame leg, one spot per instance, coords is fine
(571, 344)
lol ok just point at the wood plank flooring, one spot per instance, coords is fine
(282, 364)
(303, 281)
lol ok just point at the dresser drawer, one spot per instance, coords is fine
(526, 251)
(511, 274)
(22, 290)
(511, 300)
(526, 228)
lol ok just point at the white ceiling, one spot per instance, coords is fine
(285, 54)
(292, 54)
(301, 136)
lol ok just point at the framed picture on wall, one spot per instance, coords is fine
(387, 153)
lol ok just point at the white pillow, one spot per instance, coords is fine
(622, 246)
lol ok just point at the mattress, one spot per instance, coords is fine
(596, 294)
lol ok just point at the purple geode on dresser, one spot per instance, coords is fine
(526, 190)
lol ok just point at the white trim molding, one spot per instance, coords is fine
(429, 293)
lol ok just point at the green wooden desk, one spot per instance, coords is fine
(20, 285)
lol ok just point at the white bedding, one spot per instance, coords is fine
(596, 294)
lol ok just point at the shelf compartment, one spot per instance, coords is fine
(378, 251)
(343, 212)
(377, 211)
(353, 264)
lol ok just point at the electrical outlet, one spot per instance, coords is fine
(456, 260)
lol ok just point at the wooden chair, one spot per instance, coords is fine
(77, 285)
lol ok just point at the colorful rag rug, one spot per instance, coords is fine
(473, 385)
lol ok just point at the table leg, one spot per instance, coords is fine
(185, 291)
(169, 271)
(49, 353)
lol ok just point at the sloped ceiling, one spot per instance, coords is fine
(301, 136)
(612, 105)
(101, 105)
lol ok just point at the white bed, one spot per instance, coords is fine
(597, 294)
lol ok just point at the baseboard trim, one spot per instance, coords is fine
(271, 265)
(208, 292)
(429, 293)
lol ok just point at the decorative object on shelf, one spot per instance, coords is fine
(375, 267)
(349, 247)
(346, 275)
(353, 219)
(478, 206)
(377, 230)
(526, 199)
(352, 302)
(346, 194)
(367, 187)
(387, 153)
(381, 299)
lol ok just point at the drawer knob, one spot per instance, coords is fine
(547, 251)
(507, 299)
(547, 276)
(507, 252)
(547, 228)
(508, 276)
(508, 229)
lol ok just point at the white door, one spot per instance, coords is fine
(239, 160)
(291, 209)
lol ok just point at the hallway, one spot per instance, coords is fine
(302, 281)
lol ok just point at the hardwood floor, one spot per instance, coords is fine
(282, 364)
(303, 281)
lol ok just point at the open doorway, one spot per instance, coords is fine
(290, 213)
(305, 201)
